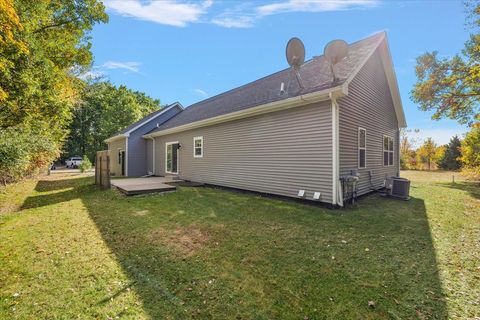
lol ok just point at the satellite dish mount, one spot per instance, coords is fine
(295, 53)
(334, 52)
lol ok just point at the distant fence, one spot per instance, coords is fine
(102, 168)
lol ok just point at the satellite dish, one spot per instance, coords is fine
(295, 52)
(335, 51)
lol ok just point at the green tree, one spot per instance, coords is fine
(470, 148)
(102, 111)
(44, 86)
(451, 157)
(407, 152)
(23, 151)
(451, 87)
(427, 152)
(471, 154)
(44, 45)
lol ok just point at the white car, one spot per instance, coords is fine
(73, 162)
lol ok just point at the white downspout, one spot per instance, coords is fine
(153, 155)
(126, 156)
(336, 188)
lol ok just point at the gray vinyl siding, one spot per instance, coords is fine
(277, 153)
(368, 105)
(115, 167)
(137, 145)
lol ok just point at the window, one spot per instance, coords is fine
(387, 151)
(198, 147)
(171, 157)
(362, 148)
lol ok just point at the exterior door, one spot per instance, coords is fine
(171, 163)
(122, 159)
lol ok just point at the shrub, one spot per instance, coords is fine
(85, 165)
(471, 173)
(24, 152)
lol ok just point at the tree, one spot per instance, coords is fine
(102, 111)
(451, 157)
(470, 148)
(407, 152)
(44, 45)
(427, 152)
(451, 87)
(471, 154)
(11, 47)
(44, 86)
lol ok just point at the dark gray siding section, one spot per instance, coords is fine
(277, 153)
(137, 146)
(368, 105)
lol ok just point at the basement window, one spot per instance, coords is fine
(387, 151)
(198, 147)
(362, 148)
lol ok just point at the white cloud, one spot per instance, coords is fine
(169, 12)
(314, 6)
(180, 13)
(91, 75)
(234, 22)
(132, 66)
(246, 14)
(201, 93)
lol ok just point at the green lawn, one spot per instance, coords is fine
(69, 250)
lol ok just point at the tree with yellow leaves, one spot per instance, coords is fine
(451, 87)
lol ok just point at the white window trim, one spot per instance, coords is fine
(201, 154)
(361, 148)
(178, 160)
(386, 150)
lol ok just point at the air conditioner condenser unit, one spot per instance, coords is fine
(400, 188)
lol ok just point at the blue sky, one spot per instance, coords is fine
(188, 51)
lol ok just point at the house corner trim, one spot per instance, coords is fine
(336, 195)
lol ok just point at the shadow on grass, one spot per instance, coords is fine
(264, 258)
(473, 188)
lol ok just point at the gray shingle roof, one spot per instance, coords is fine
(315, 73)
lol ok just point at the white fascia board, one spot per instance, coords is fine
(393, 84)
(297, 101)
(360, 66)
(117, 137)
(127, 134)
(154, 117)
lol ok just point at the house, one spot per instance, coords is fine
(128, 149)
(276, 136)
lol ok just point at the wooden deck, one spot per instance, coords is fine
(135, 186)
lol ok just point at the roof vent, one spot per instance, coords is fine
(158, 125)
